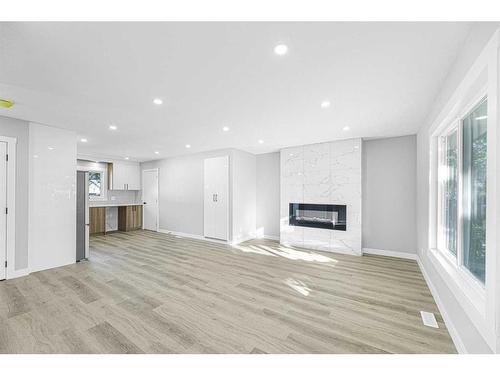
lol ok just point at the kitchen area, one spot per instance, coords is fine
(108, 199)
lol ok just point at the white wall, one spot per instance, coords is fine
(244, 179)
(52, 197)
(18, 129)
(389, 194)
(459, 323)
(268, 195)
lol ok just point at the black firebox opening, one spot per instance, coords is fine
(326, 216)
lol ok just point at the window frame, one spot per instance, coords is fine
(102, 195)
(88, 166)
(478, 302)
(469, 109)
(454, 125)
(458, 260)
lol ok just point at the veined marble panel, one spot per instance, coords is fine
(317, 157)
(323, 173)
(111, 219)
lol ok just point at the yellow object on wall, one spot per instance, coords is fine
(6, 103)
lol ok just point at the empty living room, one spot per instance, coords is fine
(214, 188)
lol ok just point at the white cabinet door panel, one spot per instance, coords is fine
(222, 199)
(119, 176)
(126, 176)
(209, 216)
(134, 177)
(216, 198)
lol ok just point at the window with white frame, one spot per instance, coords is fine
(462, 191)
(96, 184)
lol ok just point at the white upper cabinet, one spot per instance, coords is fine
(125, 176)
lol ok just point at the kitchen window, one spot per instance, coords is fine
(462, 150)
(95, 184)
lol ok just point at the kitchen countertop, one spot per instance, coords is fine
(111, 204)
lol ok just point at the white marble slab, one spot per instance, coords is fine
(328, 173)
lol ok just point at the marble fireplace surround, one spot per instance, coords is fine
(322, 173)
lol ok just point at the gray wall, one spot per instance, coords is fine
(10, 127)
(389, 194)
(268, 194)
(181, 191)
(460, 322)
(243, 195)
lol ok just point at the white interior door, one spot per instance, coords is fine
(150, 199)
(3, 205)
(216, 197)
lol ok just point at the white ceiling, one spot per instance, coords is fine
(380, 78)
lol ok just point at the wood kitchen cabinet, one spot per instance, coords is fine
(129, 218)
(97, 220)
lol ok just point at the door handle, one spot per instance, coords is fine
(213, 197)
(216, 197)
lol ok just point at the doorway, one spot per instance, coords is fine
(150, 199)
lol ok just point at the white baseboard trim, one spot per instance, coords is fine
(244, 239)
(444, 313)
(390, 253)
(193, 236)
(275, 238)
(14, 274)
(202, 238)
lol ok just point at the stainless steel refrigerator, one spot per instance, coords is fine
(82, 215)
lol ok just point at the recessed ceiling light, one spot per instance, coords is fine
(346, 128)
(50, 148)
(225, 128)
(325, 104)
(281, 49)
(157, 101)
(113, 127)
(261, 141)
(188, 146)
(126, 158)
(157, 152)
(84, 140)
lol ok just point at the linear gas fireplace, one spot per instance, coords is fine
(326, 216)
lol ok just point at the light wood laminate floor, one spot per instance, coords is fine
(146, 292)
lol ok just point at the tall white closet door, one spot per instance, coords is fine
(222, 199)
(216, 198)
(209, 198)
